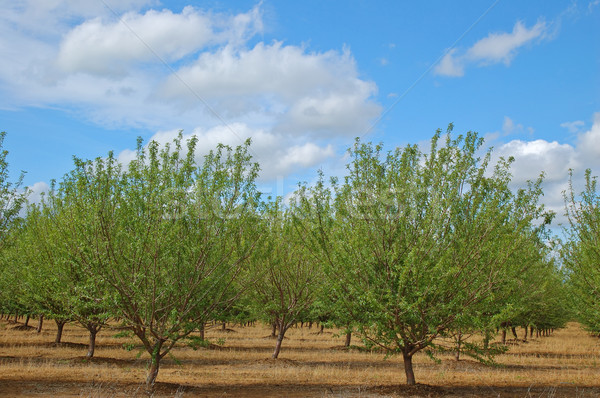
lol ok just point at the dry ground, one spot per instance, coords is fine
(310, 365)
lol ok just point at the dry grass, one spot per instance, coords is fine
(310, 364)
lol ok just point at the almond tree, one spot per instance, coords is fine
(417, 242)
(581, 252)
(289, 277)
(12, 199)
(56, 285)
(167, 236)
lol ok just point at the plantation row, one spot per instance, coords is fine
(407, 248)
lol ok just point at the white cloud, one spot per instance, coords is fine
(108, 48)
(97, 65)
(36, 191)
(588, 143)
(450, 65)
(278, 155)
(284, 71)
(48, 19)
(298, 91)
(533, 157)
(573, 127)
(502, 47)
(493, 49)
(509, 126)
(555, 160)
(305, 155)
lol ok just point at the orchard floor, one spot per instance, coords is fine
(565, 364)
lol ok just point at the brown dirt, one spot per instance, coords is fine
(566, 364)
(43, 388)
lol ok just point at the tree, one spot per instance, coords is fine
(168, 237)
(57, 286)
(12, 199)
(533, 295)
(581, 252)
(417, 242)
(39, 286)
(289, 276)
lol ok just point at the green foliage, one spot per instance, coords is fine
(407, 247)
(163, 239)
(12, 200)
(416, 244)
(288, 277)
(581, 253)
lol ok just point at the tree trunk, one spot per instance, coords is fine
(282, 330)
(273, 330)
(514, 332)
(40, 323)
(458, 346)
(503, 336)
(408, 369)
(59, 325)
(202, 331)
(152, 374)
(348, 339)
(322, 328)
(155, 358)
(525, 338)
(224, 326)
(486, 340)
(27, 320)
(93, 329)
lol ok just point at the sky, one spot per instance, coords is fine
(303, 79)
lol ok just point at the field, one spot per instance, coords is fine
(566, 363)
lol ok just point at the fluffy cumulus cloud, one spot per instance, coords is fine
(100, 47)
(126, 64)
(36, 191)
(554, 160)
(495, 48)
(296, 90)
(50, 19)
(589, 142)
(450, 65)
(533, 157)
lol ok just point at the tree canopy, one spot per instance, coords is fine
(418, 242)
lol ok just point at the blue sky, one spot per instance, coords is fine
(303, 79)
